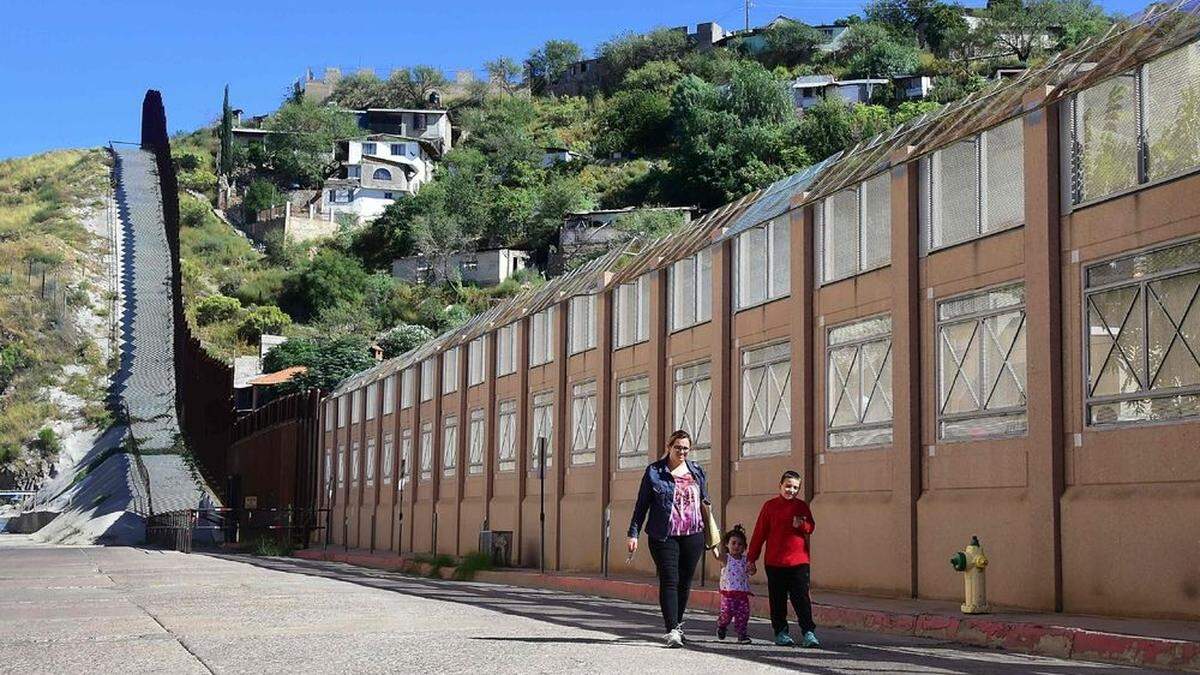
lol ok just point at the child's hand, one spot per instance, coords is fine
(753, 569)
(717, 553)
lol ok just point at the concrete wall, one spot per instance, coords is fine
(1073, 517)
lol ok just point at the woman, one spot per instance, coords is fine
(784, 526)
(671, 493)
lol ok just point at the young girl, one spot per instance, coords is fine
(784, 525)
(735, 586)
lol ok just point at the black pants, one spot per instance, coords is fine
(676, 559)
(784, 583)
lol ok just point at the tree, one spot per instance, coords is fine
(413, 87)
(300, 152)
(548, 62)
(788, 43)
(404, 338)
(833, 125)
(926, 21)
(504, 73)
(1023, 27)
(885, 59)
(328, 360)
(358, 91)
(628, 51)
(226, 136)
(260, 195)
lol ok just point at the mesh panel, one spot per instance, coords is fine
(1143, 264)
(1173, 112)
(876, 222)
(1106, 134)
(955, 178)
(751, 267)
(1004, 164)
(841, 235)
(781, 255)
(994, 299)
(1145, 409)
(880, 325)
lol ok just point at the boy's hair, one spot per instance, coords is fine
(737, 531)
(788, 474)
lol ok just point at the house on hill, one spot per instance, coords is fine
(584, 233)
(486, 268)
(376, 170)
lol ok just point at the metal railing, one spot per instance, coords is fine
(176, 530)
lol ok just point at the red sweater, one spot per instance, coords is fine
(787, 546)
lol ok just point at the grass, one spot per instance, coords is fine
(268, 546)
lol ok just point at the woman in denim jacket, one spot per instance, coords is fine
(672, 490)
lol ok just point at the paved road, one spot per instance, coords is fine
(96, 609)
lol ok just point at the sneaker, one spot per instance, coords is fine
(675, 638)
(810, 640)
(720, 632)
(783, 639)
(744, 640)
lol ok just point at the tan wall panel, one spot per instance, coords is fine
(854, 546)
(1132, 550)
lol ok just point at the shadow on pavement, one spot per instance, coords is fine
(638, 624)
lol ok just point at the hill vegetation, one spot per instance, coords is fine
(50, 266)
(668, 124)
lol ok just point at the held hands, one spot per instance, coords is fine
(753, 569)
(631, 545)
(797, 522)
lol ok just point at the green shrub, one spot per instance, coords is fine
(259, 320)
(261, 194)
(475, 561)
(214, 308)
(403, 338)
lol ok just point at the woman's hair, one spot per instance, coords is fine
(676, 435)
(788, 474)
(738, 532)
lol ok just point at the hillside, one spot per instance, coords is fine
(56, 305)
(667, 123)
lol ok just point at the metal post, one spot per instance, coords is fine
(372, 532)
(604, 553)
(400, 517)
(328, 526)
(542, 498)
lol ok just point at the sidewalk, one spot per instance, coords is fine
(1137, 642)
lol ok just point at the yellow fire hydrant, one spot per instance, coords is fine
(972, 562)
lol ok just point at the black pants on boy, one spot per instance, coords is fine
(784, 583)
(676, 558)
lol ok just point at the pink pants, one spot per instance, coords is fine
(735, 608)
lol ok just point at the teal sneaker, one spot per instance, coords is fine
(810, 640)
(783, 639)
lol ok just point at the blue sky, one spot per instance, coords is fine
(73, 72)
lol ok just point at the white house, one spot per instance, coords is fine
(376, 170)
(809, 89)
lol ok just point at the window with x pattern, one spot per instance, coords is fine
(583, 423)
(388, 460)
(766, 400)
(328, 469)
(449, 444)
(475, 442)
(633, 417)
(355, 461)
(981, 364)
(341, 468)
(1143, 340)
(426, 451)
(406, 456)
(370, 462)
(693, 398)
(506, 435)
(859, 383)
(543, 428)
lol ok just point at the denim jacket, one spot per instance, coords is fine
(656, 497)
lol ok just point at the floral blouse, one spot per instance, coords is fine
(685, 511)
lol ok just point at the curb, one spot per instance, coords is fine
(1064, 642)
